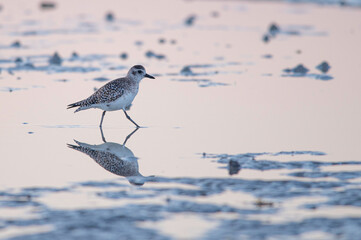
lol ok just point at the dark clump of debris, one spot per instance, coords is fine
(161, 40)
(74, 56)
(109, 17)
(302, 71)
(266, 38)
(233, 167)
(29, 65)
(18, 60)
(46, 5)
(299, 70)
(323, 67)
(273, 30)
(22, 64)
(186, 71)
(123, 56)
(151, 54)
(190, 20)
(55, 59)
(16, 44)
(164, 41)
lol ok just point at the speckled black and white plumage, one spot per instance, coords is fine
(113, 157)
(115, 95)
(107, 94)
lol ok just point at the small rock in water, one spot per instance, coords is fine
(18, 60)
(299, 69)
(47, 5)
(109, 17)
(16, 44)
(161, 40)
(266, 38)
(55, 59)
(190, 20)
(233, 167)
(173, 41)
(30, 132)
(74, 55)
(273, 29)
(28, 65)
(186, 71)
(123, 56)
(324, 67)
(151, 54)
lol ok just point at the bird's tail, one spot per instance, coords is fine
(73, 146)
(77, 104)
(79, 147)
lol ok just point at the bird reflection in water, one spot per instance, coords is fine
(114, 157)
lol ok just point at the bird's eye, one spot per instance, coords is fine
(139, 71)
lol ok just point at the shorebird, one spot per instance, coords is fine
(115, 95)
(114, 157)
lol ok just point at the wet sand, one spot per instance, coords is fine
(251, 127)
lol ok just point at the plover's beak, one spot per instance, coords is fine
(149, 76)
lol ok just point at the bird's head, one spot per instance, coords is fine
(138, 72)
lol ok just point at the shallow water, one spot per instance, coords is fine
(232, 147)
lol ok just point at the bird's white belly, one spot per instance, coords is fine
(121, 103)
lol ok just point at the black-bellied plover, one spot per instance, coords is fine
(115, 95)
(114, 157)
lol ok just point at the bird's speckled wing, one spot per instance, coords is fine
(108, 93)
(109, 161)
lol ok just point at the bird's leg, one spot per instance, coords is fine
(130, 118)
(101, 121)
(101, 132)
(127, 138)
